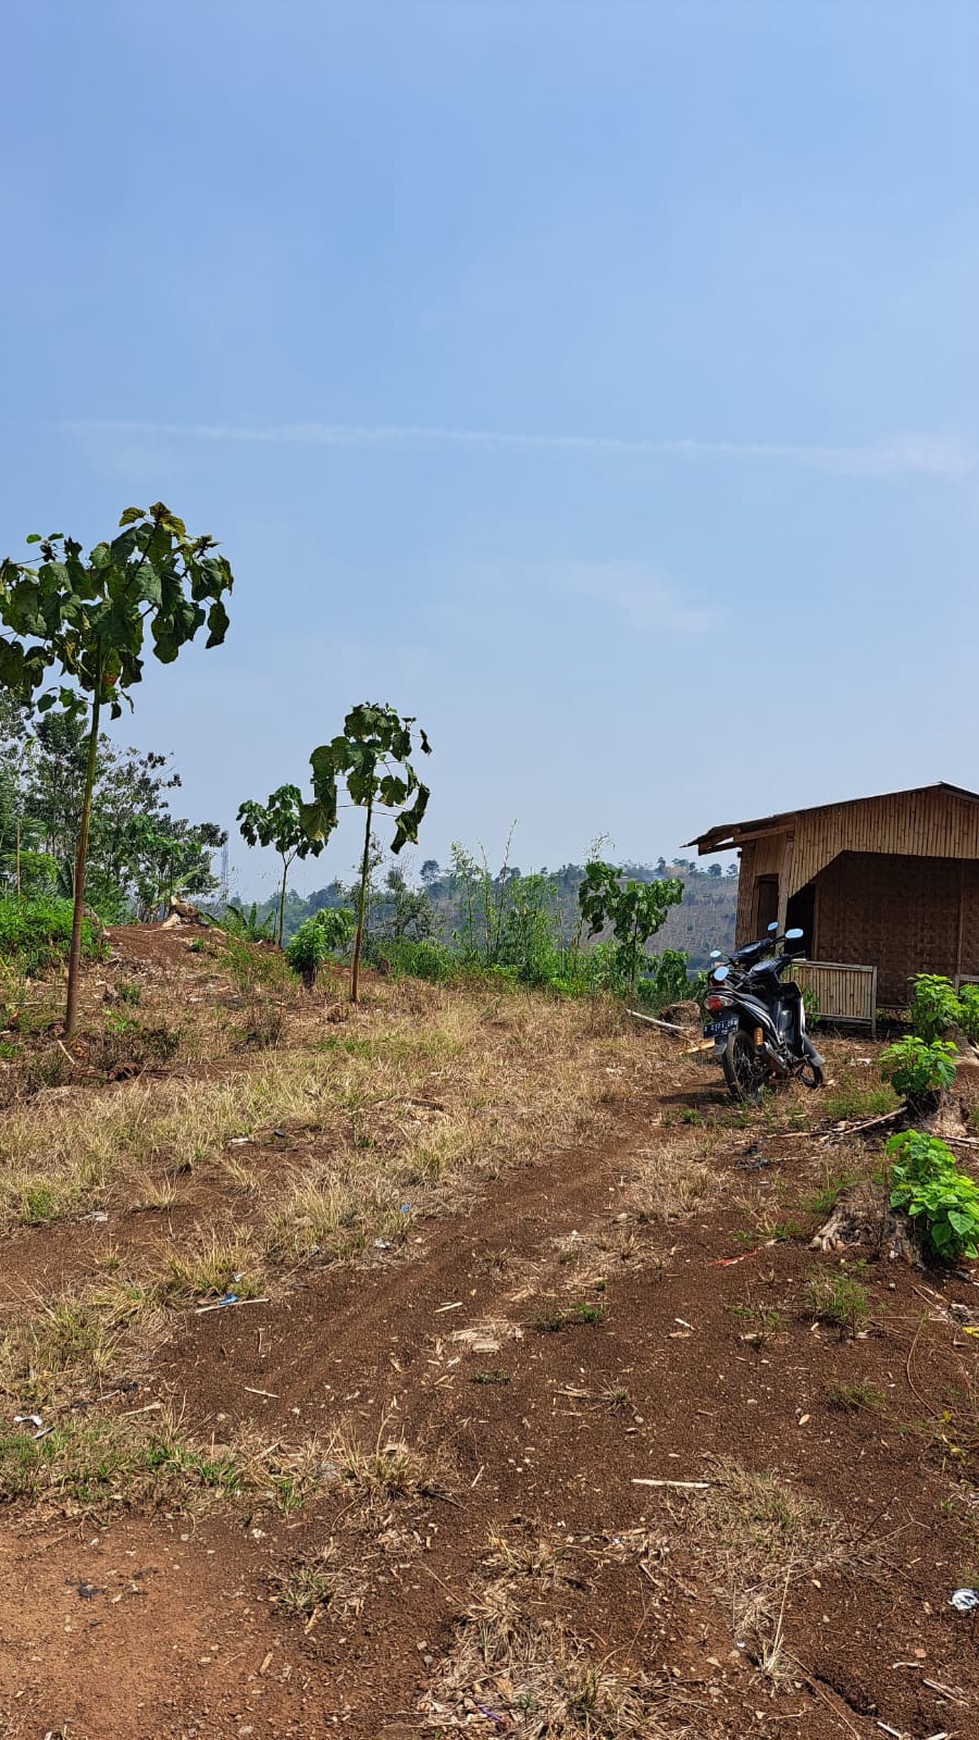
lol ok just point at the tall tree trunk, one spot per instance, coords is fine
(361, 908)
(282, 902)
(74, 958)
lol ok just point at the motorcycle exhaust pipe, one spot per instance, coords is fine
(774, 1059)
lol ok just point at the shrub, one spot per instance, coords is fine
(665, 980)
(942, 1201)
(307, 951)
(424, 959)
(914, 1067)
(36, 934)
(969, 1012)
(327, 931)
(935, 1008)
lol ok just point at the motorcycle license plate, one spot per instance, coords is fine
(723, 1024)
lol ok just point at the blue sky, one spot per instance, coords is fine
(597, 382)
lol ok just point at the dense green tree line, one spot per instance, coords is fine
(139, 853)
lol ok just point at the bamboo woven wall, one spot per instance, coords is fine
(900, 914)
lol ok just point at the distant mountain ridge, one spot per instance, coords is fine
(704, 920)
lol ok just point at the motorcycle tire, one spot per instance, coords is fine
(744, 1069)
(811, 1075)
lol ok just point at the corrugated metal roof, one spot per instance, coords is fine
(722, 838)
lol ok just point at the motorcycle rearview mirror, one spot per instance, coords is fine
(793, 935)
(715, 954)
(720, 975)
(773, 930)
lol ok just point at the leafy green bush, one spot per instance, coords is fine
(425, 959)
(36, 934)
(914, 1067)
(665, 980)
(935, 1008)
(969, 1012)
(942, 1201)
(317, 937)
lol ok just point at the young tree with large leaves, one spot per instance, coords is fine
(278, 823)
(86, 620)
(372, 757)
(633, 910)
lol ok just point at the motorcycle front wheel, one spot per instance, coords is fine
(744, 1068)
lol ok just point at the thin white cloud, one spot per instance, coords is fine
(629, 590)
(897, 456)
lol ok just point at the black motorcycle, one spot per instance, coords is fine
(758, 1023)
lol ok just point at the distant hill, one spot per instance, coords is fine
(704, 921)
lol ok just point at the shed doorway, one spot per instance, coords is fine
(766, 904)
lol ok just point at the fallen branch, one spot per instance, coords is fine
(670, 1026)
(682, 1485)
(854, 1126)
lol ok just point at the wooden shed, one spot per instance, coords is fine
(885, 885)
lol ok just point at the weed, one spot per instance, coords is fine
(942, 1202)
(322, 1583)
(211, 1270)
(580, 1313)
(836, 1299)
(388, 1469)
(762, 1322)
(851, 1398)
(915, 1068)
(762, 1536)
(490, 1377)
(851, 1099)
(823, 1201)
(784, 1231)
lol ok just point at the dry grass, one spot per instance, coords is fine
(757, 1536)
(531, 1673)
(396, 1106)
(326, 1583)
(389, 1468)
(672, 1181)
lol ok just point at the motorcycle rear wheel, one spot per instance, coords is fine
(744, 1068)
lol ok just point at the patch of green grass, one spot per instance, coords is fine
(837, 1300)
(96, 1467)
(823, 1201)
(783, 1231)
(851, 1398)
(761, 1322)
(854, 1097)
(580, 1313)
(212, 1270)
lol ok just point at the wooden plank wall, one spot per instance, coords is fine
(926, 824)
(758, 858)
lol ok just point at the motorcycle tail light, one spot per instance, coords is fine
(715, 1003)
